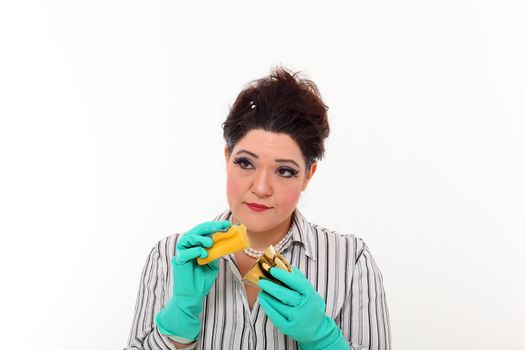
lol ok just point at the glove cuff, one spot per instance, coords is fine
(332, 340)
(173, 320)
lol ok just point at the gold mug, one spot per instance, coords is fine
(261, 268)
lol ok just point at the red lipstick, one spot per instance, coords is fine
(257, 207)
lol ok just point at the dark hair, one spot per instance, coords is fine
(281, 103)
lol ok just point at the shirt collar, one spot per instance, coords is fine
(302, 231)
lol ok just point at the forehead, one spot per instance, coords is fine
(268, 144)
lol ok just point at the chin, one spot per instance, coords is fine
(252, 222)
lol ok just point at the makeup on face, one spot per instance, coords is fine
(247, 164)
(257, 207)
(265, 178)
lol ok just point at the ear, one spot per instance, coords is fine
(308, 177)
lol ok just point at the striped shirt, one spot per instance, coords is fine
(340, 267)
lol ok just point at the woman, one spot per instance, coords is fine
(334, 296)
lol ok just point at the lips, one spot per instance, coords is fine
(258, 206)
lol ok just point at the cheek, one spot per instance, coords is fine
(234, 187)
(288, 198)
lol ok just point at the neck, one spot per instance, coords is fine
(262, 239)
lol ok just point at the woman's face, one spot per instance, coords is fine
(268, 169)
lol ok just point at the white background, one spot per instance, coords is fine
(111, 139)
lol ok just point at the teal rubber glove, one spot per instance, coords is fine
(191, 282)
(299, 311)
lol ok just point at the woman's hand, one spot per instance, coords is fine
(191, 281)
(299, 311)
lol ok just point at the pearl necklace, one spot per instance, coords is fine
(254, 253)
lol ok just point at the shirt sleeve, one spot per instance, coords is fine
(364, 317)
(144, 334)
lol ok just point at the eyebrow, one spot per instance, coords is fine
(277, 160)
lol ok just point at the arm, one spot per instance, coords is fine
(182, 346)
(144, 334)
(364, 317)
(299, 311)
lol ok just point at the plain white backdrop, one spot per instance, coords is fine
(111, 139)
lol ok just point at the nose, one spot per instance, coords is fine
(261, 184)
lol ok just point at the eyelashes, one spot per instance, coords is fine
(239, 160)
(245, 162)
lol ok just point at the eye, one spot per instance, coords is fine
(245, 163)
(287, 172)
(242, 162)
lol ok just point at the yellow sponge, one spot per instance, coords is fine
(233, 240)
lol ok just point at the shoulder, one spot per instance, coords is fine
(350, 244)
(164, 249)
